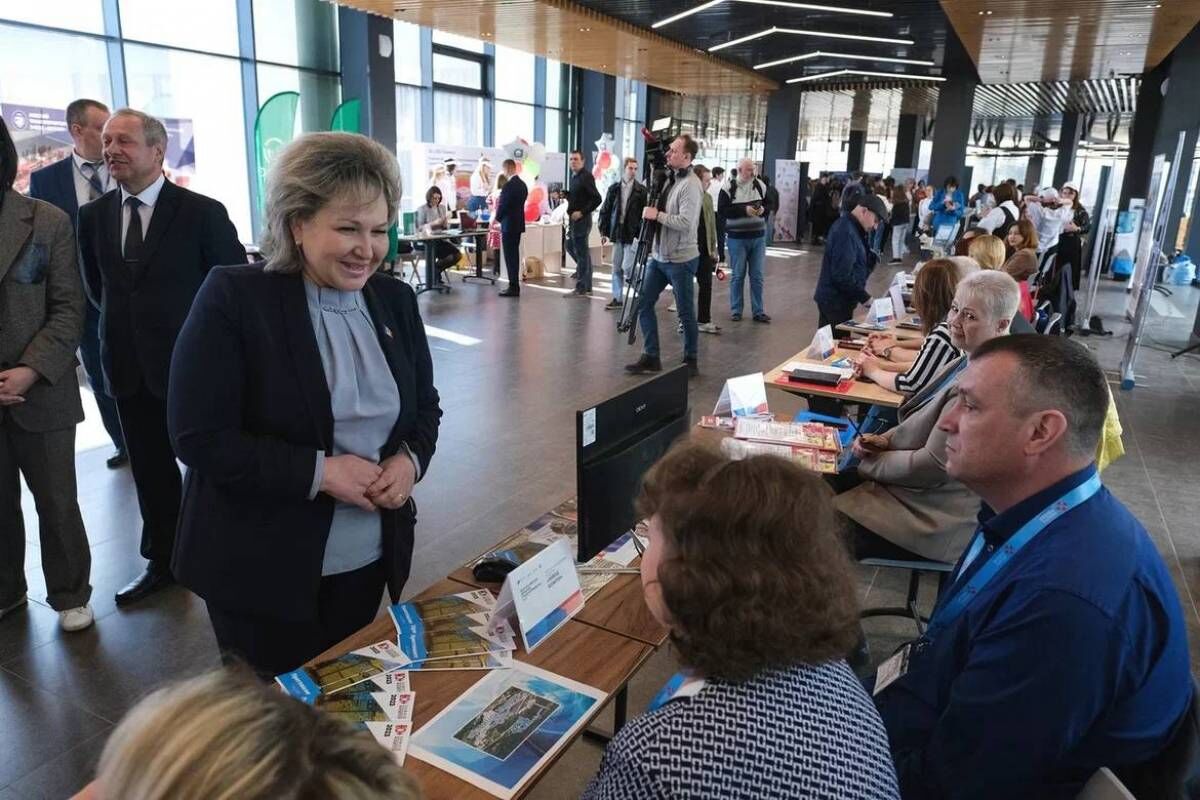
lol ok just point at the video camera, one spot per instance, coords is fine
(658, 138)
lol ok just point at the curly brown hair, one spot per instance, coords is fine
(754, 573)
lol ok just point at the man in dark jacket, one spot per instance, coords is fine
(582, 199)
(510, 211)
(846, 263)
(620, 222)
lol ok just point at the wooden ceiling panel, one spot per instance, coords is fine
(1069, 40)
(570, 32)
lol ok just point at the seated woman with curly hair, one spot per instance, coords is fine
(746, 568)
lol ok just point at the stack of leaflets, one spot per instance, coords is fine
(451, 632)
(812, 445)
(561, 523)
(363, 688)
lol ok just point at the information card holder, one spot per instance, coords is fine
(882, 310)
(822, 343)
(896, 292)
(744, 396)
(542, 594)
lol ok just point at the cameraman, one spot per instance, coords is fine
(675, 259)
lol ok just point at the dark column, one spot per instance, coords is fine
(1166, 106)
(597, 96)
(783, 128)
(1068, 143)
(854, 150)
(908, 141)
(956, 99)
(1037, 138)
(367, 73)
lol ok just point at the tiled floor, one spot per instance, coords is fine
(506, 453)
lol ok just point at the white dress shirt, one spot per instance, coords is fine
(148, 196)
(480, 186)
(83, 188)
(447, 186)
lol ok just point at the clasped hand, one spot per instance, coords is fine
(14, 383)
(368, 485)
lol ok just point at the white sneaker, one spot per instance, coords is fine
(711, 327)
(17, 604)
(671, 308)
(76, 619)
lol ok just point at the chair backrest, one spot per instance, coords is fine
(1104, 786)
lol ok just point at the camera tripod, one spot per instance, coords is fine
(631, 299)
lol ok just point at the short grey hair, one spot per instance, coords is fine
(314, 170)
(152, 130)
(996, 292)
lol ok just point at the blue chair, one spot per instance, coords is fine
(847, 430)
(916, 568)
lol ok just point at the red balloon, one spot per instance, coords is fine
(533, 210)
(605, 160)
(536, 195)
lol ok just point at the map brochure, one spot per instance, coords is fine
(336, 674)
(499, 732)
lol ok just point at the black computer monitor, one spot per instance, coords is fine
(615, 443)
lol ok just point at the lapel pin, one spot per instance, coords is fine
(388, 331)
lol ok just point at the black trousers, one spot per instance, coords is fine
(720, 239)
(704, 280)
(271, 646)
(511, 243)
(835, 314)
(155, 472)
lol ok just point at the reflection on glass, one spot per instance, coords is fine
(303, 33)
(210, 26)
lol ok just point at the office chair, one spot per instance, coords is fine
(916, 568)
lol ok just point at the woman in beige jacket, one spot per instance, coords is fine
(906, 506)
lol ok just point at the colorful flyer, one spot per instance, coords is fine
(743, 396)
(449, 627)
(394, 737)
(543, 593)
(342, 672)
(368, 706)
(499, 732)
(500, 659)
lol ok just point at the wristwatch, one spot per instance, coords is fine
(887, 353)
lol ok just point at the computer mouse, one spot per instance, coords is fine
(492, 570)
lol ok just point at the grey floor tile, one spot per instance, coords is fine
(66, 774)
(39, 726)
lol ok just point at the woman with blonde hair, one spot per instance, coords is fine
(988, 251)
(302, 401)
(225, 736)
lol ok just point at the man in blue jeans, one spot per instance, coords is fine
(582, 199)
(744, 208)
(674, 260)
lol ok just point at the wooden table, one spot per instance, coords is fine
(431, 284)
(891, 328)
(854, 391)
(571, 652)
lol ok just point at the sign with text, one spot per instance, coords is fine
(743, 396)
(822, 343)
(882, 310)
(896, 293)
(543, 593)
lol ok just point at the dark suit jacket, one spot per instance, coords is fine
(143, 308)
(631, 225)
(248, 410)
(41, 311)
(510, 207)
(56, 185)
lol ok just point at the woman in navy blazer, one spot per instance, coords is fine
(302, 400)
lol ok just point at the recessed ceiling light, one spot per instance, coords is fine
(896, 75)
(782, 3)
(798, 32)
(985, 13)
(851, 56)
(584, 30)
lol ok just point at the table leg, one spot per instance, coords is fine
(431, 284)
(620, 711)
(480, 249)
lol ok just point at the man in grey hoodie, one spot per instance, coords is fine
(675, 258)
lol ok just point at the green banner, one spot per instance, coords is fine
(347, 117)
(274, 128)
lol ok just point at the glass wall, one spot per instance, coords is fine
(728, 128)
(515, 83)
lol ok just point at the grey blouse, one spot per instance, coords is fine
(365, 403)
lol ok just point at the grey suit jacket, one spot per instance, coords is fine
(908, 498)
(41, 311)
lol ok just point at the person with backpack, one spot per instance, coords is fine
(743, 206)
(1004, 214)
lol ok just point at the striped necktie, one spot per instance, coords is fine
(91, 171)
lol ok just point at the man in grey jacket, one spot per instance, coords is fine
(675, 258)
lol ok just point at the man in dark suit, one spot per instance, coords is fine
(69, 184)
(510, 210)
(147, 246)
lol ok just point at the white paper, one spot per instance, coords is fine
(822, 343)
(897, 295)
(543, 594)
(882, 310)
(589, 427)
(743, 396)
(393, 736)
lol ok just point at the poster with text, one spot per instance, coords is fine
(787, 183)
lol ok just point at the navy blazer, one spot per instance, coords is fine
(249, 408)
(143, 308)
(56, 185)
(510, 207)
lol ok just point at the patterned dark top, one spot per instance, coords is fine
(805, 732)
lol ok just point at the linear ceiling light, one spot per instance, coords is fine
(798, 32)
(817, 53)
(895, 75)
(784, 3)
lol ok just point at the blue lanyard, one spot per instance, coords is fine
(943, 616)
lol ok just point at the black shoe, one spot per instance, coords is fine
(117, 460)
(693, 367)
(146, 584)
(896, 261)
(612, 305)
(735, 317)
(510, 293)
(644, 364)
(762, 318)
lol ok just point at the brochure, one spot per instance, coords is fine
(494, 660)
(499, 732)
(394, 737)
(357, 706)
(450, 626)
(801, 434)
(342, 672)
(810, 458)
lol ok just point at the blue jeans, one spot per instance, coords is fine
(658, 275)
(746, 255)
(477, 203)
(577, 248)
(622, 265)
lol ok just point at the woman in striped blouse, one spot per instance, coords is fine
(894, 367)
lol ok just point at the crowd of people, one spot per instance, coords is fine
(299, 392)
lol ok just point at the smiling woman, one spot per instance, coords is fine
(297, 513)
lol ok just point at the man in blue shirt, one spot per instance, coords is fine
(847, 263)
(1058, 646)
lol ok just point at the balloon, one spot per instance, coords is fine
(531, 168)
(605, 159)
(537, 195)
